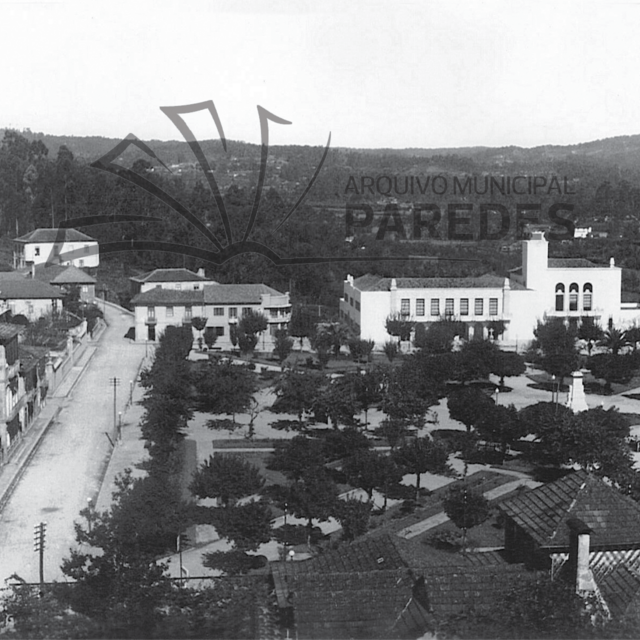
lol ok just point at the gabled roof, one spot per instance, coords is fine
(170, 275)
(543, 512)
(236, 293)
(14, 288)
(59, 275)
(621, 589)
(378, 283)
(175, 297)
(55, 235)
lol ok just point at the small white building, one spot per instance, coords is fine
(56, 246)
(27, 296)
(178, 297)
(570, 288)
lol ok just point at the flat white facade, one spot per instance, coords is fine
(543, 287)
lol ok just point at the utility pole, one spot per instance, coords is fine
(114, 382)
(38, 546)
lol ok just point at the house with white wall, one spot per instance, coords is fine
(569, 288)
(176, 298)
(56, 246)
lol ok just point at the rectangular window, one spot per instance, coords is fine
(420, 307)
(178, 285)
(573, 301)
(151, 312)
(448, 307)
(586, 300)
(245, 311)
(435, 306)
(87, 249)
(218, 311)
(187, 312)
(350, 301)
(405, 306)
(273, 313)
(37, 251)
(357, 305)
(169, 312)
(85, 288)
(464, 306)
(493, 306)
(233, 312)
(219, 331)
(81, 262)
(479, 306)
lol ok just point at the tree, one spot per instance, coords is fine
(557, 343)
(437, 337)
(474, 360)
(334, 402)
(366, 387)
(296, 393)
(303, 322)
(353, 516)
(313, 496)
(120, 585)
(394, 430)
(251, 324)
(614, 340)
(246, 525)
(594, 439)
(225, 388)
(466, 508)
(423, 455)
(360, 349)
(507, 364)
(365, 469)
(226, 477)
(390, 350)
(283, 345)
(296, 456)
(199, 324)
(469, 405)
(322, 344)
(590, 331)
(502, 425)
(399, 326)
(612, 368)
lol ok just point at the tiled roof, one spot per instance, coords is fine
(8, 331)
(55, 235)
(170, 275)
(620, 588)
(455, 590)
(12, 288)
(236, 293)
(378, 283)
(371, 604)
(571, 263)
(159, 296)
(60, 274)
(543, 512)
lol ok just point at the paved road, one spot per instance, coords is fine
(67, 467)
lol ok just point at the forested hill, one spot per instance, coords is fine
(622, 151)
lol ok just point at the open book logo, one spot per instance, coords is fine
(221, 249)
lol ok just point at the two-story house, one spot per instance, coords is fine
(56, 246)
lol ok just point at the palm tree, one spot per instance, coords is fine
(614, 340)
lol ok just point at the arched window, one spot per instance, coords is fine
(559, 297)
(573, 296)
(587, 297)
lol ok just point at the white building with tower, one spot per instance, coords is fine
(569, 288)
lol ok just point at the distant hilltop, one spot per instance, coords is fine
(622, 151)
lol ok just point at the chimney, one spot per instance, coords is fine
(201, 272)
(580, 541)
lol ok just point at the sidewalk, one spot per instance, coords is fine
(12, 470)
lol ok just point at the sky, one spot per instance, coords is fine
(410, 73)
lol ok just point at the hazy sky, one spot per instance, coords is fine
(398, 74)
